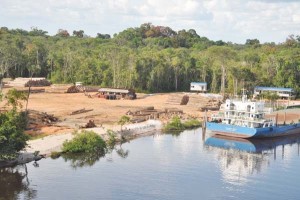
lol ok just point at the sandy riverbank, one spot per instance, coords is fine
(54, 142)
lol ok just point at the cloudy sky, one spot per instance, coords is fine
(227, 20)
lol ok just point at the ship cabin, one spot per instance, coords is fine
(245, 113)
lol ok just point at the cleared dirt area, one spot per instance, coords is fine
(103, 112)
(108, 112)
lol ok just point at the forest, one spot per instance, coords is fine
(149, 58)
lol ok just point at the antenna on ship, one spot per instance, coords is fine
(244, 95)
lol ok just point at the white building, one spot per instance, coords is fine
(199, 86)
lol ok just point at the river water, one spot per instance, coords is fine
(185, 166)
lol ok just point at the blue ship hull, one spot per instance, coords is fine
(247, 132)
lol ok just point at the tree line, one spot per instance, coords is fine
(149, 58)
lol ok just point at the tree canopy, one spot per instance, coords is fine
(149, 58)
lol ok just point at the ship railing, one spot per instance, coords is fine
(245, 111)
(246, 119)
(241, 118)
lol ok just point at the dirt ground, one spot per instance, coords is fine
(105, 112)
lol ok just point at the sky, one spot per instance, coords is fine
(227, 20)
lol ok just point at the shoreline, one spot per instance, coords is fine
(43, 147)
(54, 142)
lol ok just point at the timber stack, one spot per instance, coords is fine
(73, 89)
(38, 83)
(143, 114)
(36, 117)
(26, 82)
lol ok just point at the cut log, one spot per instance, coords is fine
(81, 111)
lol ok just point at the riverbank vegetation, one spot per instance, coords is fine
(149, 58)
(177, 125)
(12, 126)
(87, 147)
(85, 142)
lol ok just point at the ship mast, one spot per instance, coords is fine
(244, 95)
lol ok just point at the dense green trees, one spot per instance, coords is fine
(149, 58)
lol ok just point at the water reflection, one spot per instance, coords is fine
(79, 160)
(122, 153)
(258, 146)
(239, 158)
(14, 182)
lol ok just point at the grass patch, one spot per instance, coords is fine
(177, 125)
(193, 123)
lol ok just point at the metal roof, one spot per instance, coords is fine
(204, 83)
(281, 89)
(114, 90)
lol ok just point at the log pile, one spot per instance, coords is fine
(48, 119)
(194, 100)
(80, 111)
(38, 83)
(178, 99)
(90, 124)
(175, 99)
(73, 89)
(212, 104)
(21, 82)
(41, 117)
(150, 112)
(184, 100)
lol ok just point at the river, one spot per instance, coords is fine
(184, 166)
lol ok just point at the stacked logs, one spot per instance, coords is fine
(41, 117)
(90, 124)
(146, 113)
(37, 83)
(73, 89)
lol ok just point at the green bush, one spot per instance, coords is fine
(85, 142)
(174, 125)
(12, 137)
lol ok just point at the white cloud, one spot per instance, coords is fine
(266, 20)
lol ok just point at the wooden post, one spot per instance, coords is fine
(284, 118)
(276, 119)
